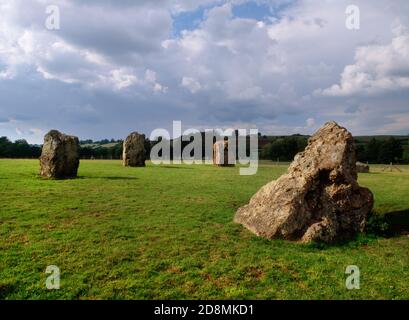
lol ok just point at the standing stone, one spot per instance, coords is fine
(318, 199)
(60, 156)
(222, 154)
(134, 153)
(362, 167)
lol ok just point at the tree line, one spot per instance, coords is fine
(271, 148)
(18, 149)
(283, 148)
(103, 152)
(382, 151)
(374, 151)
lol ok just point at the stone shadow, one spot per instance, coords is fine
(391, 224)
(398, 222)
(102, 178)
(119, 178)
(174, 167)
(387, 225)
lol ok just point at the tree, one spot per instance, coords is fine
(361, 153)
(372, 150)
(5, 146)
(286, 148)
(266, 152)
(390, 151)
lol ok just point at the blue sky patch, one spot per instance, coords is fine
(252, 10)
(188, 20)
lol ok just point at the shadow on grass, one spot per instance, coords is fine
(355, 242)
(39, 177)
(390, 224)
(6, 289)
(119, 178)
(113, 178)
(398, 222)
(175, 167)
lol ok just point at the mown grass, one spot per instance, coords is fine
(166, 232)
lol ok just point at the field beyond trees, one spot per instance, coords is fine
(166, 232)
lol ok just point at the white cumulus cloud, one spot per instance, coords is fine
(376, 69)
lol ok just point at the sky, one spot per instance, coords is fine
(282, 66)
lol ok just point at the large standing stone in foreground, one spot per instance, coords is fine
(134, 153)
(223, 155)
(60, 156)
(318, 199)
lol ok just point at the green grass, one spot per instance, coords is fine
(166, 232)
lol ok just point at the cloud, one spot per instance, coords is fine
(310, 122)
(7, 74)
(19, 131)
(399, 123)
(117, 66)
(84, 50)
(232, 62)
(377, 69)
(150, 77)
(122, 79)
(191, 84)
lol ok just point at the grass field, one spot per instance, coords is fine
(166, 232)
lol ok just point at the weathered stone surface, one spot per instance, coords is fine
(223, 155)
(134, 153)
(60, 156)
(362, 167)
(318, 199)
